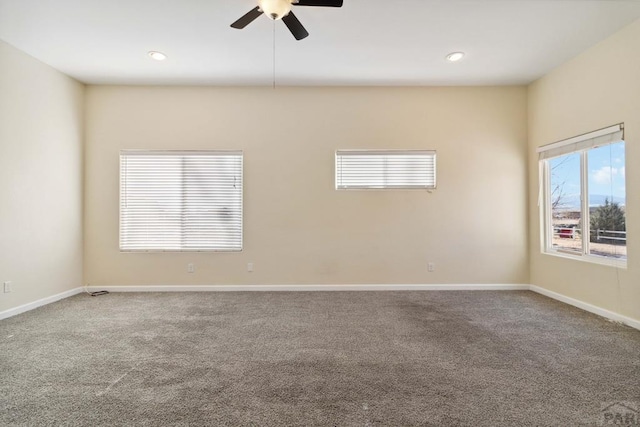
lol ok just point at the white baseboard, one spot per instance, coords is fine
(39, 303)
(307, 288)
(587, 307)
(319, 288)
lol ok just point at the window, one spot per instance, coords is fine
(180, 201)
(584, 197)
(385, 169)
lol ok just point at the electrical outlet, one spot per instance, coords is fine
(250, 267)
(191, 268)
(7, 287)
(431, 267)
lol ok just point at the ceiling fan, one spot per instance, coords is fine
(281, 9)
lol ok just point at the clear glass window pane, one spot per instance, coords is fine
(607, 201)
(565, 200)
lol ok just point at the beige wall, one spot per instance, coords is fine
(41, 116)
(297, 228)
(599, 88)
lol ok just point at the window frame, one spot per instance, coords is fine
(381, 152)
(545, 205)
(134, 152)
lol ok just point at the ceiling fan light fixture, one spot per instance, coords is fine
(158, 56)
(455, 56)
(275, 9)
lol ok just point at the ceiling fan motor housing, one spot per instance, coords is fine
(275, 9)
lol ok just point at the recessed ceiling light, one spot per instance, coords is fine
(158, 56)
(455, 56)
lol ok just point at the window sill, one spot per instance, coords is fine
(160, 251)
(591, 259)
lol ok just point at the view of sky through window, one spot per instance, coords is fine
(606, 175)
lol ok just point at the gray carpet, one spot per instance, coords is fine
(317, 358)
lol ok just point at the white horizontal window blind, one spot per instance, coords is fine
(180, 201)
(385, 169)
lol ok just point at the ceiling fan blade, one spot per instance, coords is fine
(295, 26)
(324, 3)
(247, 19)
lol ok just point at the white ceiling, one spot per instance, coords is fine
(366, 42)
